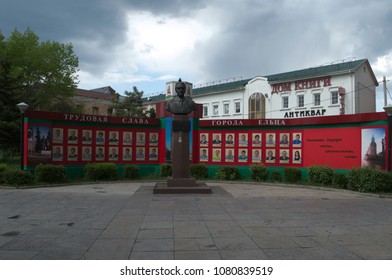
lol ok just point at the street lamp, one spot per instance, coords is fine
(388, 110)
(22, 107)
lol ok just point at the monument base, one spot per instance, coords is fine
(181, 185)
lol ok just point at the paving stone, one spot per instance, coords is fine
(197, 255)
(194, 244)
(153, 245)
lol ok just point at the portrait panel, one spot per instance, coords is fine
(284, 140)
(72, 153)
(140, 138)
(243, 140)
(284, 156)
(100, 154)
(229, 155)
(216, 155)
(100, 137)
(127, 138)
(86, 136)
(270, 156)
(72, 136)
(57, 153)
(297, 156)
(58, 135)
(216, 139)
(242, 155)
(153, 139)
(113, 138)
(256, 139)
(86, 153)
(203, 154)
(256, 155)
(113, 153)
(141, 153)
(204, 139)
(153, 154)
(229, 140)
(270, 140)
(297, 139)
(127, 153)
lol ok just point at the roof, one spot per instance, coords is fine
(107, 90)
(221, 87)
(319, 71)
(93, 94)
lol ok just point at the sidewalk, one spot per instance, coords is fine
(237, 221)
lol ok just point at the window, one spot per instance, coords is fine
(215, 108)
(237, 105)
(317, 100)
(226, 108)
(257, 106)
(334, 97)
(205, 111)
(285, 102)
(301, 102)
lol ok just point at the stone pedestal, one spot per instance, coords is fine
(181, 181)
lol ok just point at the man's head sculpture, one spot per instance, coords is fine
(180, 104)
(180, 88)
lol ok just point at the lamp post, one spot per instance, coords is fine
(388, 110)
(22, 107)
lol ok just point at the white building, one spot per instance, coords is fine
(342, 88)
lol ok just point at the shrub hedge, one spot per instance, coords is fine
(17, 177)
(367, 179)
(258, 172)
(276, 176)
(199, 171)
(131, 172)
(50, 173)
(322, 175)
(101, 171)
(165, 170)
(3, 167)
(292, 175)
(227, 173)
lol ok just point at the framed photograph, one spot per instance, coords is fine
(127, 153)
(204, 139)
(140, 153)
(229, 140)
(127, 138)
(256, 155)
(243, 155)
(153, 154)
(153, 140)
(57, 153)
(72, 136)
(216, 139)
(229, 155)
(284, 140)
(270, 156)
(297, 156)
(100, 154)
(86, 137)
(113, 138)
(113, 153)
(256, 139)
(270, 140)
(72, 153)
(216, 155)
(297, 139)
(284, 156)
(100, 137)
(86, 153)
(203, 154)
(140, 139)
(243, 140)
(58, 135)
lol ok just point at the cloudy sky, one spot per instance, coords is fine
(145, 43)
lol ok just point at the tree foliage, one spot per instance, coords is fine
(42, 74)
(131, 105)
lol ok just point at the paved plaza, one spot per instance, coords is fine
(237, 221)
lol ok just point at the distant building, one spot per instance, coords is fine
(335, 89)
(96, 101)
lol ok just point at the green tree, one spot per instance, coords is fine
(131, 105)
(42, 74)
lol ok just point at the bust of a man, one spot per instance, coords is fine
(180, 104)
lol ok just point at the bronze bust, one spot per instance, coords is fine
(180, 104)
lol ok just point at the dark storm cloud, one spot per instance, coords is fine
(267, 37)
(95, 28)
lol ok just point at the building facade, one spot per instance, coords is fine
(336, 89)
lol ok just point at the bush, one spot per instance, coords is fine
(100, 171)
(292, 175)
(16, 177)
(258, 172)
(276, 176)
(199, 171)
(50, 173)
(131, 171)
(3, 168)
(227, 173)
(320, 175)
(340, 180)
(367, 179)
(165, 170)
